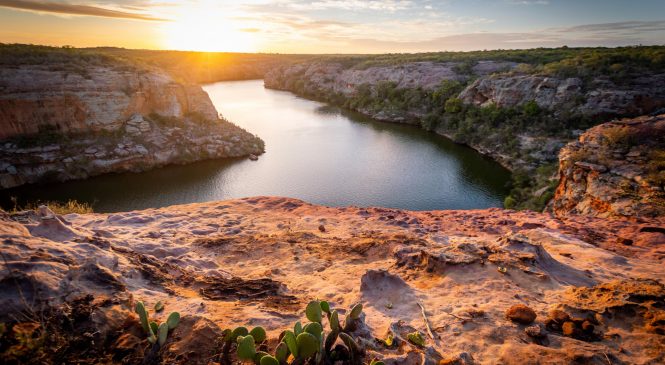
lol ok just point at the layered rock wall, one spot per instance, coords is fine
(614, 169)
(57, 125)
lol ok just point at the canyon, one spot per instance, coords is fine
(61, 122)
(581, 282)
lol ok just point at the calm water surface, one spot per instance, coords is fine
(314, 152)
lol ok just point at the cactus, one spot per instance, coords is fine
(157, 333)
(308, 345)
(313, 311)
(143, 316)
(239, 331)
(334, 321)
(260, 355)
(269, 360)
(315, 329)
(291, 341)
(162, 332)
(297, 328)
(416, 338)
(258, 333)
(350, 343)
(173, 320)
(282, 352)
(246, 350)
(356, 311)
(154, 327)
(325, 306)
(330, 340)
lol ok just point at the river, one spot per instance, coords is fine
(314, 152)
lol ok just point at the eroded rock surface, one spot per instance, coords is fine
(259, 261)
(57, 124)
(614, 169)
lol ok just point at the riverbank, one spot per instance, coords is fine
(69, 114)
(519, 107)
(214, 263)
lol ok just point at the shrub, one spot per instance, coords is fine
(453, 106)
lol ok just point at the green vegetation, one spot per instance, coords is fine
(157, 333)
(304, 344)
(563, 61)
(499, 129)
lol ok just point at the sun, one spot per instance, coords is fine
(204, 28)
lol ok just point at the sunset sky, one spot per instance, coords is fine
(332, 26)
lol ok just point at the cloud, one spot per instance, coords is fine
(73, 9)
(529, 2)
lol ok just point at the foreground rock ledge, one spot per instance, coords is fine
(594, 284)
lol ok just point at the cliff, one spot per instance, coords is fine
(69, 116)
(614, 169)
(495, 286)
(518, 107)
(517, 113)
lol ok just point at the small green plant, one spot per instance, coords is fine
(157, 333)
(416, 338)
(308, 344)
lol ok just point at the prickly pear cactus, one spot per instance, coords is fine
(269, 360)
(356, 311)
(246, 349)
(291, 341)
(173, 320)
(143, 316)
(162, 333)
(334, 321)
(259, 334)
(313, 311)
(325, 306)
(308, 345)
(282, 352)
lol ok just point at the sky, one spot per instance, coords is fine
(333, 26)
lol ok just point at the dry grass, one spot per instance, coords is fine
(71, 206)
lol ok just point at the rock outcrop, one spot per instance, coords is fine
(584, 295)
(614, 169)
(600, 97)
(494, 85)
(57, 124)
(404, 93)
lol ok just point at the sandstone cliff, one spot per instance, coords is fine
(60, 123)
(614, 169)
(590, 285)
(411, 92)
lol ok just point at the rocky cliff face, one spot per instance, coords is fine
(495, 286)
(335, 78)
(493, 85)
(58, 125)
(614, 169)
(600, 97)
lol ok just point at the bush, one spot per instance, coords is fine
(453, 106)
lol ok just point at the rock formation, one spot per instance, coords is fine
(614, 169)
(592, 297)
(58, 124)
(497, 83)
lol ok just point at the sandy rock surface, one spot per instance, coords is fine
(259, 261)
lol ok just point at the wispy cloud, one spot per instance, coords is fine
(529, 2)
(73, 9)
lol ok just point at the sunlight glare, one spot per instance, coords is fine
(204, 28)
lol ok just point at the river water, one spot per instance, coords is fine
(314, 152)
